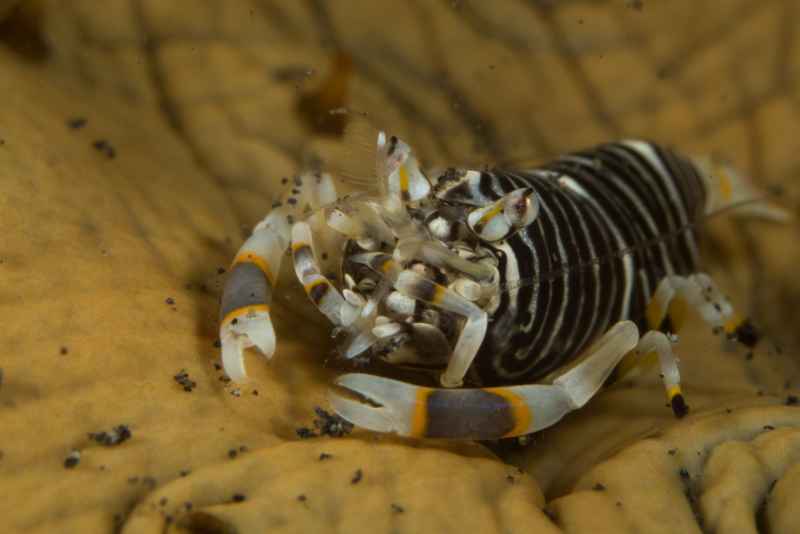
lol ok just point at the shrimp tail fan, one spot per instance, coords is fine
(729, 190)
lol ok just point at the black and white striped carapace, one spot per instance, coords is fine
(530, 287)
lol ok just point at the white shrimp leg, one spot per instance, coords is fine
(485, 413)
(245, 311)
(319, 289)
(666, 313)
(246, 298)
(472, 333)
(348, 310)
(675, 293)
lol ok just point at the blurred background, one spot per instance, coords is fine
(142, 140)
(249, 86)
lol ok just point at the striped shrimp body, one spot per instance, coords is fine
(530, 287)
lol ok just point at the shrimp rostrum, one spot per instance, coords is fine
(524, 291)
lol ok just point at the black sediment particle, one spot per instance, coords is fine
(357, 476)
(324, 456)
(599, 487)
(103, 146)
(396, 508)
(238, 497)
(182, 378)
(331, 424)
(232, 454)
(72, 460)
(170, 301)
(64, 350)
(117, 435)
(791, 400)
(305, 432)
(76, 123)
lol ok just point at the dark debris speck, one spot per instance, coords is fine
(238, 497)
(599, 487)
(396, 508)
(184, 472)
(63, 350)
(170, 301)
(357, 476)
(325, 456)
(302, 498)
(636, 5)
(684, 473)
(162, 501)
(76, 123)
(182, 378)
(72, 460)
(305, 432)
(115, 436)
(769, 427)
(672, 452)
(233, 453)
(220, 270)
(792, 400)
(325, 424)
(104, 147)
(217, 344)
(331, 424)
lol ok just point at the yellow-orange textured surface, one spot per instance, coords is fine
(140, 140)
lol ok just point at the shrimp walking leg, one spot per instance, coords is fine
(484, 413)
(245, 311)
